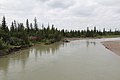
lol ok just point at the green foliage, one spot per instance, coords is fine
(12, 28)
(3, 45)
(35, 24)
(17, 41)
(27, 26)
(4, 26)
(20, 35)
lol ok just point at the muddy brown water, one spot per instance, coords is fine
(77, 60)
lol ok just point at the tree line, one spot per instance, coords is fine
(24, 34)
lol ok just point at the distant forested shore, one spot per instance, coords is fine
(20, 36)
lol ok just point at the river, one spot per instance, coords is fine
(78, 60)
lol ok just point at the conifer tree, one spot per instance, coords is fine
(15, 25)
(12, 28)
(4, 26)
(35, 24)
(27, 26)
(31, 26)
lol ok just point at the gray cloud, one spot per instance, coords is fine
(108, 2)
(60, 3)
(64, 13)
(43, 0)
(83, 11)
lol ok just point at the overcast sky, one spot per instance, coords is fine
(67, 14)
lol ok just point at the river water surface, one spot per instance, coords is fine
(77, 60)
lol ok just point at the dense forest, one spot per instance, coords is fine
(19, 34)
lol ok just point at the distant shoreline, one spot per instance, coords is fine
(114, 46)
(11, 50)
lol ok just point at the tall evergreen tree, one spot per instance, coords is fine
(12, 28)
(4, 26)
(95, 30)
(53, 29)
(48, 28)
(20, 27)
(35, 24)
(88, 32)
(31, 26)
(15, 25)
(27, 26)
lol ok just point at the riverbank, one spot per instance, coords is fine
(12, 49)
(114, 46)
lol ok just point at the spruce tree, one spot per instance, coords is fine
(27, 26)
(31, 26)
(95, 30)
(12, 28)
(35, 24)
(4, 26)
(15, 26)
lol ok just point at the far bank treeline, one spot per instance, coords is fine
(19, 34)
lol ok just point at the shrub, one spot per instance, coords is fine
(3, 45)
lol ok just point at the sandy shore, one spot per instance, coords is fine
(113, 46)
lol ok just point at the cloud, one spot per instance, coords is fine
(69, 14)
(43, 0)
(83, 10)
(60, 3)
(108, 2)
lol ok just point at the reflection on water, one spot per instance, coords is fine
(90, 43)
(77, 60)
(23, 57)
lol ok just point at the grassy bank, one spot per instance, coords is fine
(9, 49)
(12, 49)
